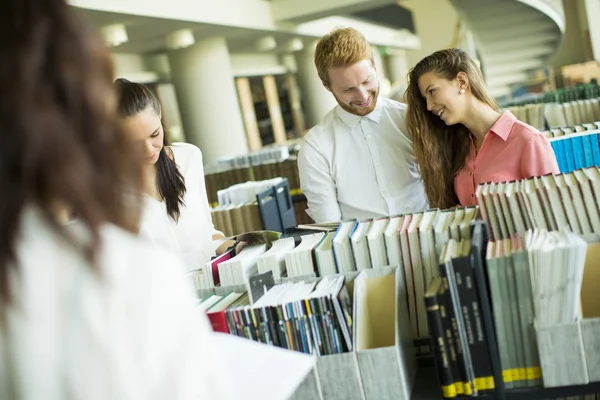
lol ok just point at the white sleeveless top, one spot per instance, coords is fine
(191, 236)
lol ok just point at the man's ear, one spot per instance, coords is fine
(326, 86)
(463, 80)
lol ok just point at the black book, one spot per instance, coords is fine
(438, 339)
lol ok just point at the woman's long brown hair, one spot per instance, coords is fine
(60, 144)
(441, 150)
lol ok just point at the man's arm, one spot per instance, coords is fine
(318, 185)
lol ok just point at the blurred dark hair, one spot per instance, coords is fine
(60, 144)
(133, 99)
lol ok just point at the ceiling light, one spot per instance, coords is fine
(265, 43)
(293, 45)
(180, 39)
(114, 35)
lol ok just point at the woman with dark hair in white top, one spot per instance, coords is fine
(176, 214)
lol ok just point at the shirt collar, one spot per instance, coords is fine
(503, 125)
(351, 119)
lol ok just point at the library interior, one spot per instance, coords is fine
(182, 179)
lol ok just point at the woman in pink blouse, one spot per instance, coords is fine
(461, 138)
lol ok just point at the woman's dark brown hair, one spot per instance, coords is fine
(133, 99)
(60, 145)
(441, 150)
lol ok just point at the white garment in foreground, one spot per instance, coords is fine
(262, 371)
(360, 167)
(191, 236)
(133, 334)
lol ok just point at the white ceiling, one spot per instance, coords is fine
(147, 34)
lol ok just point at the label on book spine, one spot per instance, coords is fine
(534, 373)
(449, 391)
(515, 374)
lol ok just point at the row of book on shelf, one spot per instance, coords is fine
(412, 242)
(556, 115)
(548, 202)
(536, 303)
(353, 323)
(542, 268)
(576, 148)
(216, 181)
(545, 330)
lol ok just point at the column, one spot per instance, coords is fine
(294, 99)
(380, 67)
(317, 100)
(207, 98)
(397, 64)
(274, 109)
(592, 8)
(247, 104)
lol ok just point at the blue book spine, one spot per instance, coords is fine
(596, 149)
(587, 150)
(569, 155)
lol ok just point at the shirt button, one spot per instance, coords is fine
(368, 136)
(472, 195)
(470, 174)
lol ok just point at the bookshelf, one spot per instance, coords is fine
(500, 393)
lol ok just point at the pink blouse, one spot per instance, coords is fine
(511, 150)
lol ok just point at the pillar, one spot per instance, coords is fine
(207, 98)
(397, 67)
(247, 105)
(592, 8)
(317, 100)
(381, 69)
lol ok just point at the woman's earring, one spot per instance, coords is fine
(461, 91)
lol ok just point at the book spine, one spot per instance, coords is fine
(470, 308)
(440, 347)
(458, 329)
(451, 334)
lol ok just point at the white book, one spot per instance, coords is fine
(274, 259)
(392, 241)
(544, 201)
(427, 246)
(299, 261)
(588, 199)
(459, 215)
(580, 209)
(593, 174)
(539, 220)
(441, 230)
(465, 226)
(501, 193)
(376, 240)
(567, 201)
(554, 199)
(495, 197)
(342, 248)
(324, 256)
(242, 266)
(360, 245)
(416, 291)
